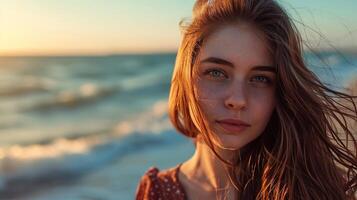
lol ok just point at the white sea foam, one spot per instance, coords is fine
(78, 155)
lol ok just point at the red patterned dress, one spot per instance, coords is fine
(156, 185)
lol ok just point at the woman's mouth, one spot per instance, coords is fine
(233, 126)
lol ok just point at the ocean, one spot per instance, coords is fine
(89, 127)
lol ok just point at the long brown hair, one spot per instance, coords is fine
(308, 149)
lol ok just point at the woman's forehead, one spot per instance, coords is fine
(240, 44)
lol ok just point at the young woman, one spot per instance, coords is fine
(264, 126)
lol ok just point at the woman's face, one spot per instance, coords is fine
(235, 80)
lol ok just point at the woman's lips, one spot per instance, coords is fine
(232, 127)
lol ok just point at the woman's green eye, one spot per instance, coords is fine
(262, 79)
(219, 74)
(215, 73)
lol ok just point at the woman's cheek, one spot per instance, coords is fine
(207, 106)
(263, 103)
(261, 94)
(206, 89)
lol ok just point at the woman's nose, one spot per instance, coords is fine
(236, 98)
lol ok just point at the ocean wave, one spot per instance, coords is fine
(86, 93)
(142, 81)
(10, 120)
(25, 168)
(27, 85)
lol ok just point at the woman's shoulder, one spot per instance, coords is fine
(156, 184)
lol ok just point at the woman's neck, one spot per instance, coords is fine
(205, 170)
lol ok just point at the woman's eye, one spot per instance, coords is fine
(262, 79)
(214, 73)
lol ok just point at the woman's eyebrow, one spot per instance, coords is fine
(267, 68)
(227, 63)
(217, 61)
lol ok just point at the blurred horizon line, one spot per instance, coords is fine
(85, 54)
(350, 50)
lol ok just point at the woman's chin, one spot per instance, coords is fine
(232, 142)
(229, 144)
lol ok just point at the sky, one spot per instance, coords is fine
(66, 27)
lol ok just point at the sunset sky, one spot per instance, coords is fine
(49, 27)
